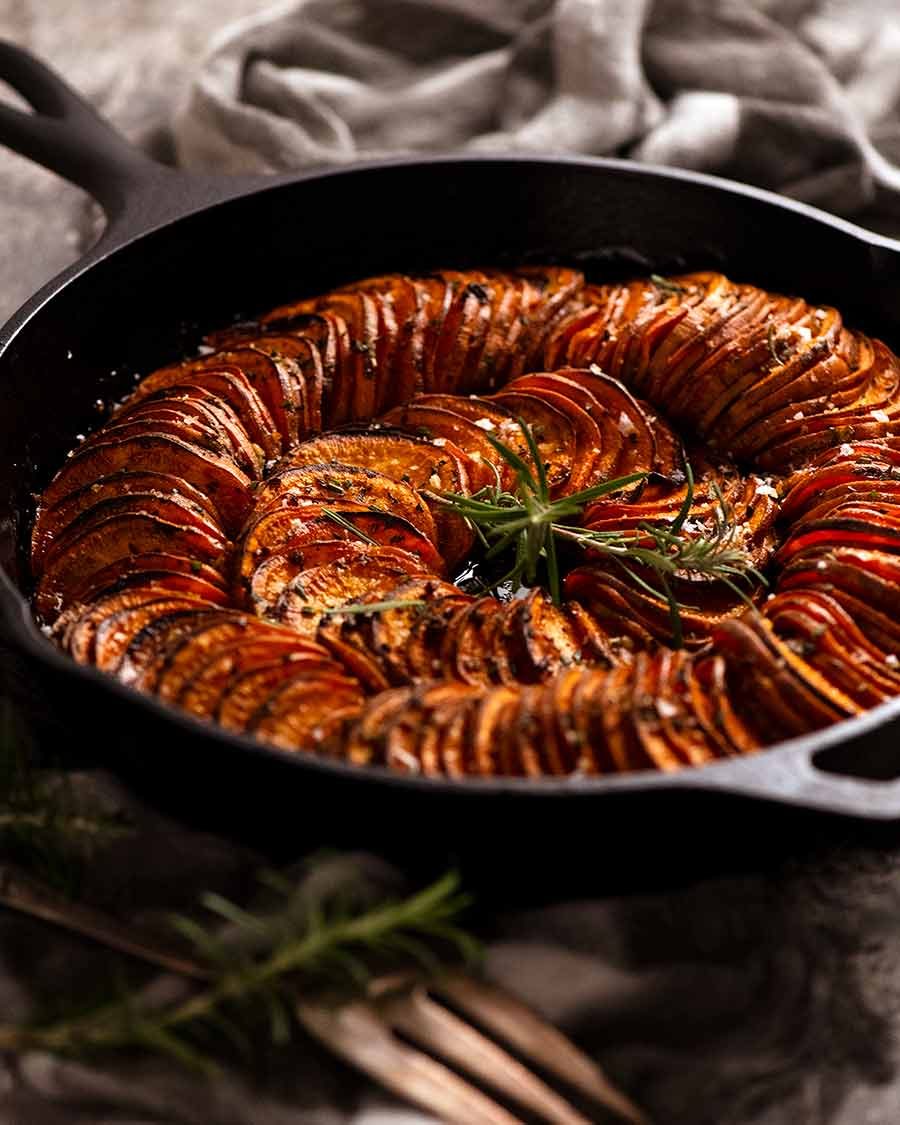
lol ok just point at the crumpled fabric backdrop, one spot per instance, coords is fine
(797, 96)
(765, 998)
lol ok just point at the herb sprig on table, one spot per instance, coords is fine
(254, 968)
(529, 524)
(250, 968)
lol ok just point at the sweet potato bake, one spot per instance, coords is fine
(284, 534)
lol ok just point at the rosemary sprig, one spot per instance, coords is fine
(261, 967)
(666, 284)
(528, 522)
(343, 522)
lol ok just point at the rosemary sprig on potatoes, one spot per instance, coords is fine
(530, 523)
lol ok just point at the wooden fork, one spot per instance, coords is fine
(376, 1033)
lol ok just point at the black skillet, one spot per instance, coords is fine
(185, 253)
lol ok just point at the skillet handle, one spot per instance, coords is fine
(857, 776)
(66, 135)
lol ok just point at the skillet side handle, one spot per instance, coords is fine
(66, 135)
(857, 776)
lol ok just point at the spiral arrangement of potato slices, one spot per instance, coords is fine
(202, 544)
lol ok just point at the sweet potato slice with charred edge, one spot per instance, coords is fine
(541, 639)
(355, 324)
(546, 293)
(462, 335)
(249, 689)
(587, 707)
(216, 477)
(424, 647)
(314, 593)
(335, 482)
(196, 402)
(230, 385)
(51, 522)
(341, 639)
(398, 305)
(82, 556)
(270, 379)
(150, 649)
(708, 688)
(174, 573)
(864, 529)
(465, 655)
(822, 632)
(593, 461)
(173, 508)
(117, 631)
(625, 608)
(167, 671)
(553, 431)
(436, 709)
(807, 489)
(860, 376)
(692, 364)
(594, 643)
(76, 630)
(585, 430)
(202, 691)
(285, 530)
(558, 724)
(169, 420)
(490, 416)
(271, 577)
(638, 451)
(389, 630)
(865, 583)
(650, 670)
(788, 684)
(695, 377)
(679, 724)
(431, 423)
(420, 463)
(364, 742)
(303, 712)
(709, 301)
(807, 357)
(492, 725)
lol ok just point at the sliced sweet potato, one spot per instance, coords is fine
(327, 483)
(51, 522)
(552, 430)
(76, 630)
(202, 692)
(282, 531)
(216, 477)
(305, 714)
(271, 577)
(431, 423)
(439, 466)
(316, 593)
(540, 639)
(82, 556)
(174, 573)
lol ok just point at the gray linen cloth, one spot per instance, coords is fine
(763, 998)
(797, 96)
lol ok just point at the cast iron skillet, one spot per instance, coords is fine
(183, 253)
